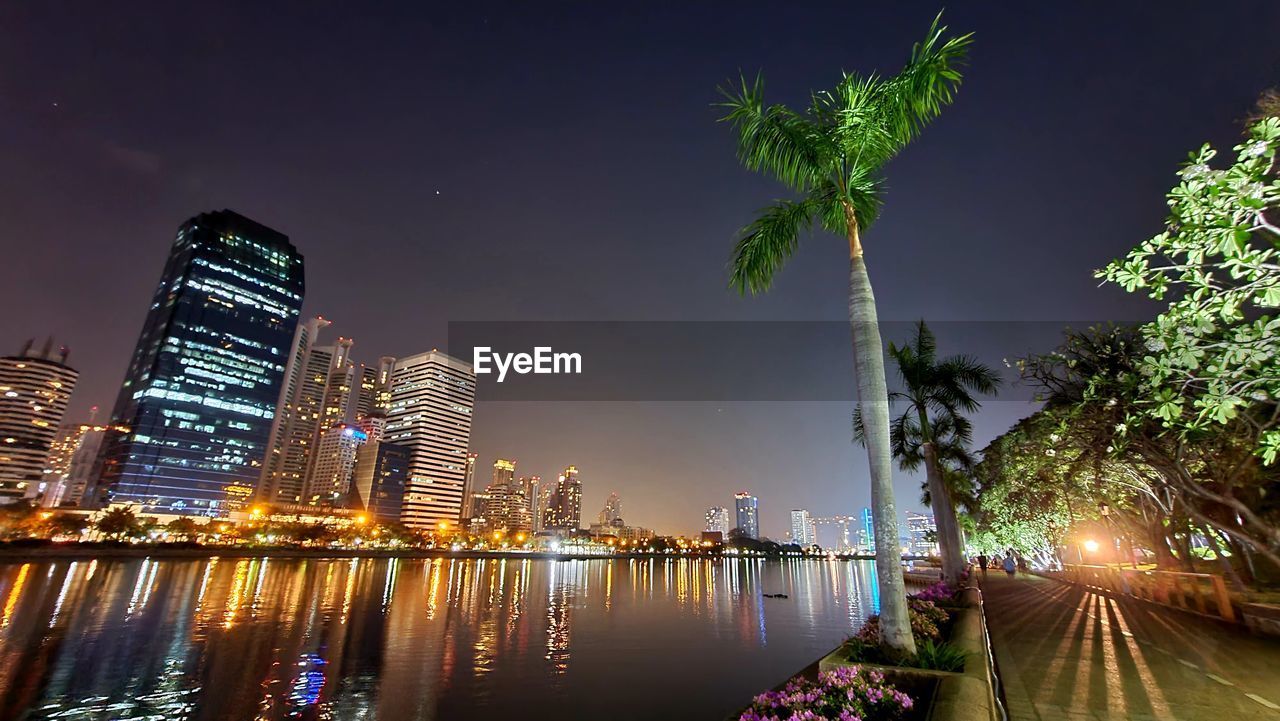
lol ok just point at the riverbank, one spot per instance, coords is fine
(85, 551)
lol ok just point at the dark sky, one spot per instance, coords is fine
(539, 161)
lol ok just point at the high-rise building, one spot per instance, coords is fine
(469, 488)
(200, 393)
(314, 399)
(803, 531)
(373, 396)
(75, 463)
(564, 509)
(542, 513)
(504, 473)
(612, 510)
(530, 487)
(718, 521)
(432, 398)
(506, 508)
(329, 483)
(378, 480)
(922, 534)
(868, 530)
(748, 514)
(35, 387)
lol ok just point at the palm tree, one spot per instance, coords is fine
(832, 155)
(932, 431)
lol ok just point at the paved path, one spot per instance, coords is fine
(1067, 653)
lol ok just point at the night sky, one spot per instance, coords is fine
(539, 161)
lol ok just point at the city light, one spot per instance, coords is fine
(1091, 546)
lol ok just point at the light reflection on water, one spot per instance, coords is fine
(413, 638)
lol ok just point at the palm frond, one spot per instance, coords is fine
(774, 138)
(927, 84)
(768, 242)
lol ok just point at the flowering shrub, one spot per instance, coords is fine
(843, 694)
(939, 592)
(925, 620)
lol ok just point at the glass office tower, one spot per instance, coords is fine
(200, 393)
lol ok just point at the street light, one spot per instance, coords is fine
(1091, 545)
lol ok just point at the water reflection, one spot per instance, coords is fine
(411, 638)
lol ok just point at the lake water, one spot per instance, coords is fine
(399, 639)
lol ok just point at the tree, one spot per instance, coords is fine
(184, 528)
(832, 155)
(68, 524)
(1213, 354)
(117, 523)
(931, 430)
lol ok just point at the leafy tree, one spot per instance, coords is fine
(184, 528)
(931, 430)
(68, 524)
(1213, 354)
(832, 155)
(118, 523)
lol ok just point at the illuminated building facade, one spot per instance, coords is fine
(564, 508)
(35, 387)
(803, 530)
(432, 399)
(373, 398)
(317, 386)
(748, 514)
(506, 508)
(921, 533)
(868, 538)
(469, 487)
(612, 510)
(530, 486)
(335, 461)
(74, 465)
(377, 485)
(200, 393)
(717, 521)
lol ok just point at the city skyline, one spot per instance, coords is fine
(391, 200)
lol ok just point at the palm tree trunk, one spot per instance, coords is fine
(944, 518)
(873, 399)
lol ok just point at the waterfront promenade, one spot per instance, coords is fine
(1064, 652)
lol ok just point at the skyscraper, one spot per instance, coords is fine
(75, 463)
(802, 528)
(335, 460)
(748, 508)
(314, 399)
(923, 534)
(469, 487)
(868, 530)
(35, 387)
(378, 480)
(717, 518)
(504, 473)
(432, 398)
(530, 486)
(612, 510)
(564, 509)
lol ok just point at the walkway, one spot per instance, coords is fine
(1067, 653)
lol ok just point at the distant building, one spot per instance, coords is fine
(713, 537)
(564, 510)
(717, 520)
(542, 513)
(469, 487)
(612, 510)
(432, 400)
(506, 509)
(201, 391)
(748, 514)
(530, 486)
(373, 397)
(378, 481)
(868, 530)
(74, 465)
(35, 387)
(921, 534)
(335, 462)
(803, 530)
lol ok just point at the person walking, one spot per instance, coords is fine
(1010, 565)
(982, 563)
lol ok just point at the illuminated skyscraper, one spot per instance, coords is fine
(868, 530)
(717, 518)
(748, 512)
(378, 480)
(612, 510)
(373, 398)
(530, 487)
(504, 473)
(200, 393)
(564, 509)
(74, 464)
(335, 461)
(803, 530)
(469, 487)
(314, 399)
(432, 397)
(35, 387)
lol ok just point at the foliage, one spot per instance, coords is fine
(926, 620)
(842, 694)
(68, 524)
(1213, 355)
(940, 656)
(184, 528)
(832, 153)
(118, 523)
